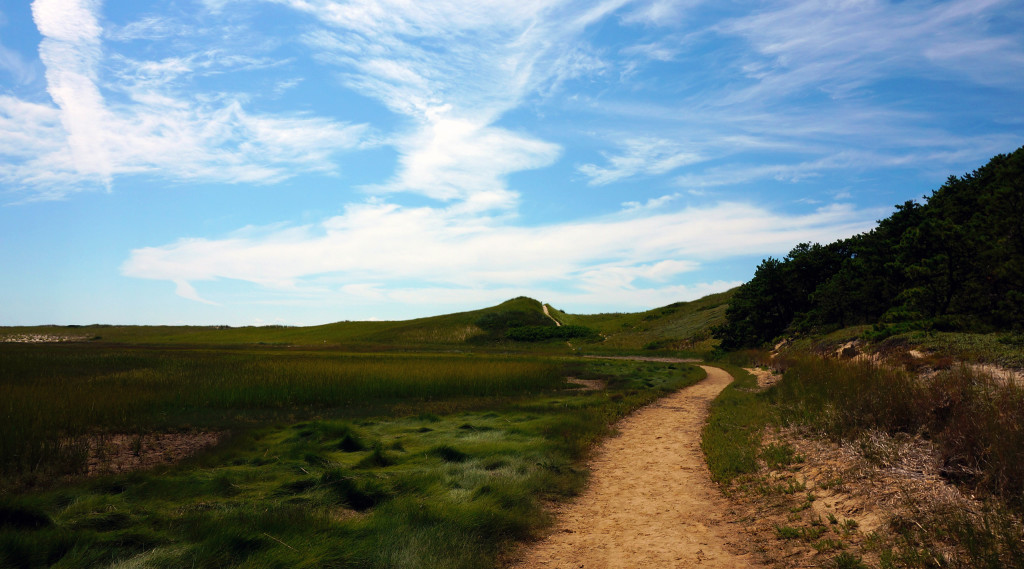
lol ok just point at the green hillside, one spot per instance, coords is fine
(682, 325)
(678, 326)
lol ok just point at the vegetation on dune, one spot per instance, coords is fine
(971, 420)
(953, 263)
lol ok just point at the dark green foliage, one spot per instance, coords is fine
(351, 443)
(498, 325)
(295, 486)
(779, 455)
(54, 396)
(18, 516)
(955, 263)
(376, 459)
(501, 321)
(360, 495)
(448, 453)
(541, 333)
(38, 549)
(848, 561)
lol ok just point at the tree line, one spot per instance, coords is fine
(954, 262)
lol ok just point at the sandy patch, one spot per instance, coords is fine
(765, 378)
(123, 453)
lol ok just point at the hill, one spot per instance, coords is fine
(678, 326)
(682, 325)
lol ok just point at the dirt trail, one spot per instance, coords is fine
(650, 502)
(548, 314)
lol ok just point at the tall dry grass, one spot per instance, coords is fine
(975, 420)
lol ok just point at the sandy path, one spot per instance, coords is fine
(548, 314)
(650, 501)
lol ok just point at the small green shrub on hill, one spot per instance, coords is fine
(542, 333)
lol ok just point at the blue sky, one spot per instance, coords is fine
(308, 161)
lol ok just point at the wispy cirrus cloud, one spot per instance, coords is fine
(453, 69)
(843, 46)
(148, 28)
(794, 91)
(12, 62)
(119, 115)
(641, 156)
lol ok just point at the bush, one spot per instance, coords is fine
(498, 321)
(541, 333)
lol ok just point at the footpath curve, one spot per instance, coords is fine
(650, 501)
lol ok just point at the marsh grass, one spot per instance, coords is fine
(53, 396)
(456, 488)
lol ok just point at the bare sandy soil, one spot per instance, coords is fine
(650, 501)
(125, 453)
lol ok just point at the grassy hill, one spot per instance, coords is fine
(678, 326)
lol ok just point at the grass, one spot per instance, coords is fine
(1006, 349)
(421, 483)
(731, 440)
(51, 395)
(974, 420)
(682, 328)
(421, 333)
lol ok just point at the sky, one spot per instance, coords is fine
(251, 162)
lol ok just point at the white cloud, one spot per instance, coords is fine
(185, 290)
(641, 156)
(149, 28)
(454, 68)
(71, 51)
(840, 47)
(155, 130)
(949, 151)
(658, 51)
(660, 12)
(448, 249)
(456, 158)
(651, 204)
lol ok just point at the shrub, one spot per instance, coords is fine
(541, 333)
